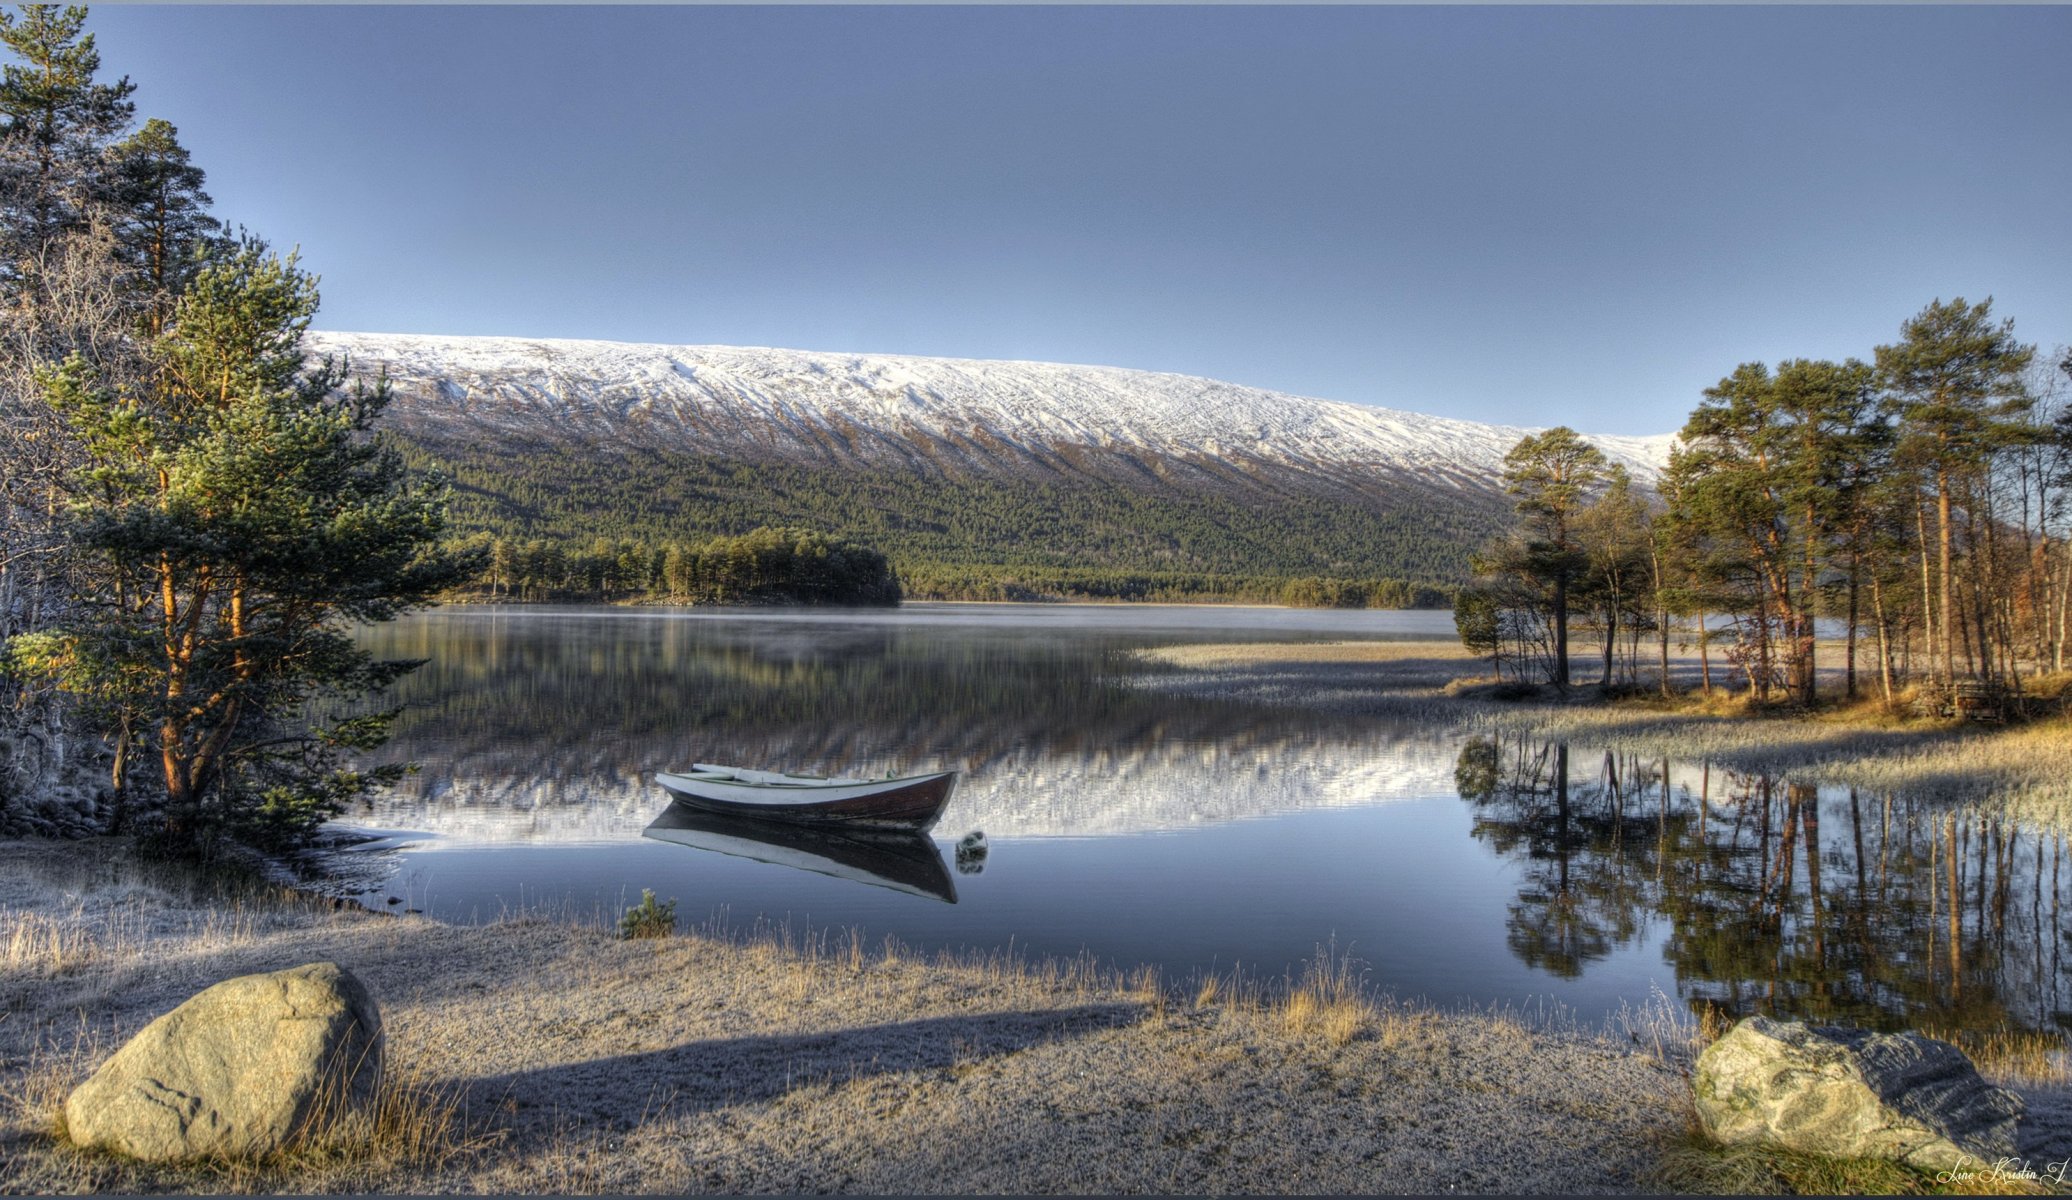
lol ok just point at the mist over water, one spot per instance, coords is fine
(1194, 834)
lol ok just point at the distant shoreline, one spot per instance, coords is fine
(2021, 770)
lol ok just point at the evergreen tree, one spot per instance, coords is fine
(54, 122)
(239, 517)
(1955, 378)
(162, 220)
(1614, 532)
(1554, 474)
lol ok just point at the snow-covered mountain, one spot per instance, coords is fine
(898, 411)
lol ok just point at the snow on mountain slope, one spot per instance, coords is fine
(892, 408)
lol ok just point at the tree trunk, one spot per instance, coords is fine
(1945, 537)
(1849, 645)
(1704, 655)
(1928, 598)
(1884, 638)
(1662, 625)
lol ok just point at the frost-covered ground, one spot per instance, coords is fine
(702, 1064)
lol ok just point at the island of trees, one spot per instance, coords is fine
(1916, 504)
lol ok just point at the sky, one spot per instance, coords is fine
(1524, 215)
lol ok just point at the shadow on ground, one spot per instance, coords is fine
(705, 1075)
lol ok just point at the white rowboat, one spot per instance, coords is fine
(908, 802)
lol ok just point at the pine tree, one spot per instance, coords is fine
(54, 123)
(1554, 474)
(163, 226)
(239, 517)
(1956, 380)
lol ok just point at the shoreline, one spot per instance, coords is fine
(708, 1063)
(2023, 771)
(572, 1061)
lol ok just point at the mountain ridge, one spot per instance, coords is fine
(961, 470)
(823, 405)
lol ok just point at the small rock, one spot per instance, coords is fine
(1851, 1093)
(236, 1069)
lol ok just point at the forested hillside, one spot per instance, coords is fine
(962, 535)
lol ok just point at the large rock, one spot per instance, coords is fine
(236, 1069)
(1851, 1093)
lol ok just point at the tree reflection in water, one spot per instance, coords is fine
(1779, 897)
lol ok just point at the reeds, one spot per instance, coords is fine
(1330, 999)
(2014, 1057)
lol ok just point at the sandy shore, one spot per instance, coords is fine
(584, 1063)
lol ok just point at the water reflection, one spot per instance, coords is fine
(550, 727)
(1775, 896)
(903, 861)
(1145, 826)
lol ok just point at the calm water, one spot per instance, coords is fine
(1140, 827)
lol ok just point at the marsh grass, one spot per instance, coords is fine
(1330, 1000)
(412, 1120)
(2017, 1057)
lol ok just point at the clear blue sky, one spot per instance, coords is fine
(1527, 215)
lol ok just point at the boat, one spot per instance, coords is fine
(904, 802)
(901, 859)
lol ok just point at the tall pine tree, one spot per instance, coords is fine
(162, 222)
(1955, 378)
(1554, 475)
(54, 122)
(239, 516)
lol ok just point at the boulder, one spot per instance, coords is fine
(236, 1069)
(1851, 1093)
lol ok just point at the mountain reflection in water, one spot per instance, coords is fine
(1142, 826)
(1774, 896)
(544, 726)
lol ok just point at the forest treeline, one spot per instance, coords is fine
(1919, 501)
(763, 566)
(949, 537)
(796, 566)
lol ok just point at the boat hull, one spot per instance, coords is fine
(915, 803)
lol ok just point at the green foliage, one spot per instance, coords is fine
(1553, 474)
(55, 120)
(1476, 617)
(648, 919)
(163, 227)
(967, 536)
(235, 516)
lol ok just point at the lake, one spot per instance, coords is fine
(1196, 835)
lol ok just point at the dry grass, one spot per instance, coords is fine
(1329, 1001)
(1694, 1165)
(534, 1056)
(2014, 1057)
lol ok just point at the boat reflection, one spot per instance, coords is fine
(902, 860)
